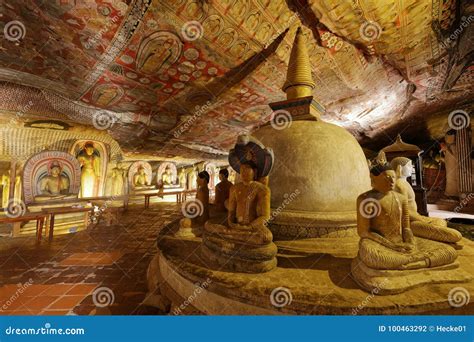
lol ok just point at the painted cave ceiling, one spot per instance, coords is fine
(185, 77)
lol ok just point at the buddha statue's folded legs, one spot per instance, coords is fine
(256, 235)
(427, 254)
(435, 229)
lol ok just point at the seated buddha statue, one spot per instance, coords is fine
(167, 177)
(140, 181)
(243, 243)
(54, 185)
(422, 226)
(383, 224)
(222, 190)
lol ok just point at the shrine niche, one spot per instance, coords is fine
(140, 176)
(51, 175)
(93, 158)
(167, 175)
(158, 51)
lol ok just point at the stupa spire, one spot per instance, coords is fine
(299, 82)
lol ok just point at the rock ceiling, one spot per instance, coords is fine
(178, 77)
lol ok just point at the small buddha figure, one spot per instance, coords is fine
(422, 226)
(182, 179)
(5, 183)
(167, 177)
(383, 224)
(140, 178)
(55, 185)
(222, 190)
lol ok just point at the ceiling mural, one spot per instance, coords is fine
(191, 75)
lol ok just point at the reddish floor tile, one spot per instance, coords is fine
(66, 302)
(40, 302)
(82, 289)
(57, 289)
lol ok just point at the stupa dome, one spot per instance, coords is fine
(317, 188)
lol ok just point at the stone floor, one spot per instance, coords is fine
(82, 272)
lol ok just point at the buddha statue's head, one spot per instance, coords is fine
(89, 148)
(402, 166)
(203, 178)
(383, 178)
(141, 171)
(55, 170)
(248, 171)
(223, 174)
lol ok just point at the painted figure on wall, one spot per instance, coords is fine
(182, 179)
(89, 158)
(449, 150)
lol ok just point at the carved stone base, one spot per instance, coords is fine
(242, 263)
(387, 282)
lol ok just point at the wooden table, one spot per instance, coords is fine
(180, 196)
(52, 212)
(40, 217)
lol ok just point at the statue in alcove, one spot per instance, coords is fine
(167, 177)
(140, 180)
(55, 185)
(428, 227)
(89, 159)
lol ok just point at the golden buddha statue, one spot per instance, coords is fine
(5, 182)
(241, 241)
(222, 190)
(90, 170)
(54, 185)
(202, 195)
(167, 177)
(249, 210)
(383, 223)
(422, 226)
(140, 180)
(182, 179)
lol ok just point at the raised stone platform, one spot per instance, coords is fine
(313, 277)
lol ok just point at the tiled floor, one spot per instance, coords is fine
(83, 272)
